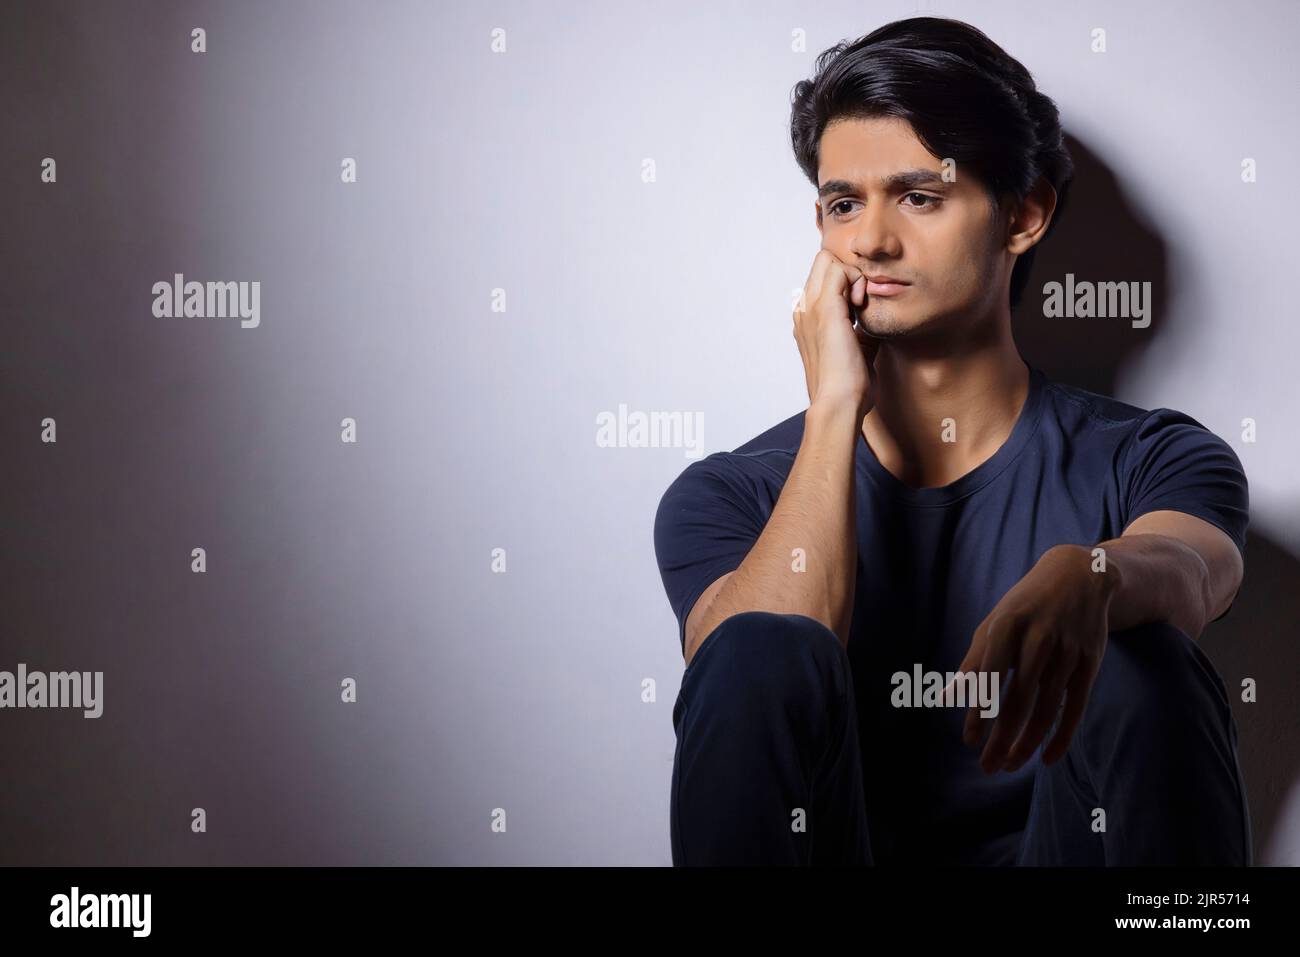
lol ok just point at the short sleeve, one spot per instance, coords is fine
(706, 523)
(1173, 462)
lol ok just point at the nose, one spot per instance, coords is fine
(875, 237)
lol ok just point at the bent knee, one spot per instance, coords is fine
(1154, 669)
(771, 655)
(775, 636)
(1154, 653)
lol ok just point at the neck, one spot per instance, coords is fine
(981, 388)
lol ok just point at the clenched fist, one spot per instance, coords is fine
(837, 353)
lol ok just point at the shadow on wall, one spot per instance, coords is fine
(1100, 238)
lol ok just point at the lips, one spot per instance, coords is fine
(885, 285)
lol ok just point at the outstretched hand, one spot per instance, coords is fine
(1050, 630)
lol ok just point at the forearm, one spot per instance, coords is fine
(814, 513)
(1159, 579)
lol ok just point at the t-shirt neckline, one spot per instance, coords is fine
(982, 474)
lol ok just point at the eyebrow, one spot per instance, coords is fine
(908, 179)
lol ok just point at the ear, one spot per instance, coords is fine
(1031, 217)
(818, 207)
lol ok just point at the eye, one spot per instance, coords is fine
(933, 200)
(929, 202)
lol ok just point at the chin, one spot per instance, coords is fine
(886, 325)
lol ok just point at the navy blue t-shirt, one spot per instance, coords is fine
(933, 562)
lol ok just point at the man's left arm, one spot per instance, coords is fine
(1173, 567)
(1179, 561)
(1051, 628)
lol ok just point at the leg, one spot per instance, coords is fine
(766, 725)
(1157, 751)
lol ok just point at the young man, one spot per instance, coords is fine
(941, 506)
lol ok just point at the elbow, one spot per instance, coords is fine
(1198, 599)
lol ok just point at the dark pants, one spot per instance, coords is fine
(768, 767)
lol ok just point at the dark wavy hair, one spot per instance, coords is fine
(964, 96)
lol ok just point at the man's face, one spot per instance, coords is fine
(940, 237)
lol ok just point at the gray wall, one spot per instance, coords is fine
(520, 171)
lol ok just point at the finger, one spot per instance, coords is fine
(1002, 650)
(1076, 699)
(836, 280)
(821, 264)
(997, 653)
(1007, 723)
(949, 695)
(858, 291)
(1051, 691)
(840, 276)
(974, 655)
(1036, 657)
